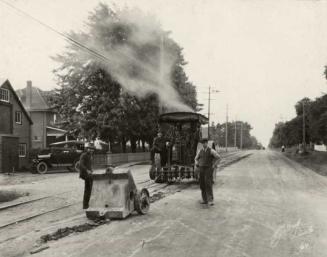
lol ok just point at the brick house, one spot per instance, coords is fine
(15, 130)
(44, 130)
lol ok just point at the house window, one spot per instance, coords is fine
(18, 117)
(36, 138)
(4, 95)
(22, 150)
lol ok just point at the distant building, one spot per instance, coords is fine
(44, 130)
(15, 130)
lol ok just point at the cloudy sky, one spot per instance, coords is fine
(262, 55)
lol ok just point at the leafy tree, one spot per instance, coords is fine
(318, 119)
(218, 134)
(302, 104)
(103, 94)
(291, 132)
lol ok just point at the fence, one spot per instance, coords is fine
(117, 158)
(223, 149)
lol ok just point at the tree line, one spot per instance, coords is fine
(238, 135)
(309, 123)
(92, 98)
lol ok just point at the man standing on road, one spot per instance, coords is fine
(85, 165)
(158, 151)
(206, 160)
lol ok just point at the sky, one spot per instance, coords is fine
(262, 55)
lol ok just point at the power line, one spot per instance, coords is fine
(72, 40)
(75, 42)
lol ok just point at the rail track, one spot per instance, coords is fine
(15, 214)
(12, 216)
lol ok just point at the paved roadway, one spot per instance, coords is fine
(266, 205)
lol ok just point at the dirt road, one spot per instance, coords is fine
(53, 202)
(266, 205)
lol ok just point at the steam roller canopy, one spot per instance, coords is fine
(115, 196)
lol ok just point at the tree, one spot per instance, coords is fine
(291, 132)
(113, 90)
(302, 104)
(317, 115)
(218, 134)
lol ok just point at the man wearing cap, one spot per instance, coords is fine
(85, 166)
(159, 150)
(206, 160)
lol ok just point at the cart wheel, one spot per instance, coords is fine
(42, 168)
(142, 201)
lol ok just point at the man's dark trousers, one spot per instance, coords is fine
(206, 183)
(87, 191)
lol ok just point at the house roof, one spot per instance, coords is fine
(6, 81)
(38, 103)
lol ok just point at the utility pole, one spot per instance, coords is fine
(303, 130)
(209, 101)
(161, 68)
(209, 112)
(226, 130)
(235, 132)
(241, 143)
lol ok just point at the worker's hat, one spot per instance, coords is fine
(204, 140)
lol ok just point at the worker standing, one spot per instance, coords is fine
(206, 160)
(159, 151)
(85, 165)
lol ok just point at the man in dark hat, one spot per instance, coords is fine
(159, 151)
(206, 160)
(85, 166)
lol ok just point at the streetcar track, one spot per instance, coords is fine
(152, 186)
(9, 206)
(153, 189)
(152, 192)
(36, 215)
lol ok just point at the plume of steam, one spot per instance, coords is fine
(141, 60)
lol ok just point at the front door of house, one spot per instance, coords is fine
(10, 159)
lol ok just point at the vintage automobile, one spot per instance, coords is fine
(182, 133)
(60, 155)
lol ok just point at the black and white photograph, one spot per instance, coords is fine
(163, 128)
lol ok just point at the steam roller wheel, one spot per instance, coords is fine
(142, 201)
(152, 174)
(160, 179)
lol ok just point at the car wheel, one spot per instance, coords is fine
(76, 166)
(42, 168)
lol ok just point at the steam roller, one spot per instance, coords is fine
(115, 196)
(181, 133)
